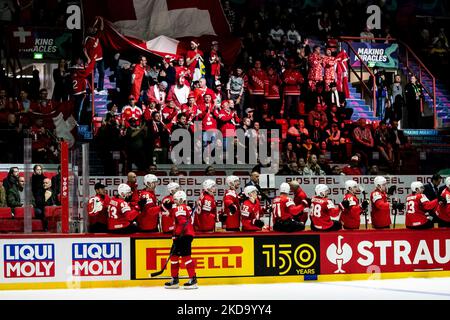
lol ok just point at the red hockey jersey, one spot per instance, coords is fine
(256, 80)
(167, 220)
(351, 217)
(380, 214)
(443, 211)
(233, 220)
(250, 212)
(322, 209)
(98, 209)
(292, 79)
(416, 207)
(120, 215)
(205, 219)
(284, 208)
(181, 214)
(149, 217)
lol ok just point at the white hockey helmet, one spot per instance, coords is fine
(447, 182)
(417, 186)
(249, 190)
(285, 188)
(231, 181)
(173, 186)
(208, 184)
(322, 190)
(352, 186)
(179, 196)
(150, 178)
(380, 182)
(124, 190)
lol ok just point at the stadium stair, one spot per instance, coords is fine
(442, 94)
(360, 108)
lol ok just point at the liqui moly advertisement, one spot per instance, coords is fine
(385, 251)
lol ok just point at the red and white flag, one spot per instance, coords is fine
(163, 27)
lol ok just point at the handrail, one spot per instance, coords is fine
(363, 64)
(433, 78)
(409, 51)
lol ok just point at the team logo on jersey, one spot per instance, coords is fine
(29, 260)
(339, 254)
(96, 259)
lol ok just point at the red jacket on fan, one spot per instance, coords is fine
(208, 117)
(167, 220)
(205, 219)
(292, 80)
(79, 78)
(250, 212)
(443, 211)
(416, 206)
(120, 215)
(299, 197)
(272, 87)
(181, 214)
(233, 220)
(322, 209)
(256, 80)
(138, 74)
(283, 208)
(226, 119)
(199, 94)
(98, 209)
(148, 220)
(380, 215)
(169, 116)
(351, 217)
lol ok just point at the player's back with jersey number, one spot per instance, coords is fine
(351, 216)
(120, 215)
(322, 209)
(443, 211)
(181, 214)
(205, 219)
(416, 207)
(148, 220)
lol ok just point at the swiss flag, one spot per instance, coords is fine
(163, 26)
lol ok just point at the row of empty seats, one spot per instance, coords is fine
(15, 223)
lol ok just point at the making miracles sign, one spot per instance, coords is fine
(381, 55)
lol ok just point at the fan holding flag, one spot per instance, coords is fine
(195, 61)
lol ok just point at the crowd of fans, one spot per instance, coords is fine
(283, 79)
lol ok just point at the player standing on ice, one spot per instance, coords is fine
(381, 213)
(231, 213)
(351, 215)
(443, 212)
(285, 211)
(417, 207)
(148, 220)
(322, 209)
(120, 216)
(167, 221)
(205, 219)
(251, 211)
(182, 243)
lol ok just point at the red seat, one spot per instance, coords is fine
(241, 173)
(293, 122)
(19, 213)
(5, 213)
(160, 173)
(11, 225)
(52, 211)
(196, 173)
(36, 225)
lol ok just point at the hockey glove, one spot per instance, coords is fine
(345, 204)
(391, 190)
(141, 203)
(259, 223)
(365, 204)
(442, 199)
(399, 206)
(167, 205)
(232, 209)
(223, 218)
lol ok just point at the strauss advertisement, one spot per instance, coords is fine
(368, 252)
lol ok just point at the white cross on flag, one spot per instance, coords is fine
(163, 26)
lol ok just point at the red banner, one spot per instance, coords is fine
(64, 187)
(385, 251)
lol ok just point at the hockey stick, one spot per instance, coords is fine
(172, 248)
(365, 210)
(395, 212)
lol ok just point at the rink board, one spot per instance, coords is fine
(96, 261)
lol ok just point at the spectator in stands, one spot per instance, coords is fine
(363, 141)
(136, 146)
(368, 35)
(312, 167)
(236, 89)
(45, 199)
(317, 134)
(16, 195)
(174, 172)
(413, 95)
(107, 142)
(56, 182)
(336, 144)
(336, 171)
(11, 140)
(12, 179)
(353, 168)
(158, 138)
(37, 182)
(382, 142)
(194, 60)
(381, 93)
(93, 51)
(318, 114)
(292, 79)
(398, 142)
(256, 85)
(337, 98)
(433, 189)
(3, 202)
(289, 154)
(301, 165)
(308, 148)
(137, 78)
(323, 163)
(396, 88)
(152, 169)
(63, 82)
(210, 171)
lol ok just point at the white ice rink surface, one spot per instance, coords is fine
(399, 289)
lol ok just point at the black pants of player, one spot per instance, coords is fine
(127, 230)
(428, 225)
(335, 227)
(182, 246)
(288, 226)
(98, 228)
(441, 223)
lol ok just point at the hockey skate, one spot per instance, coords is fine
(191, 284)
(172, 284)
